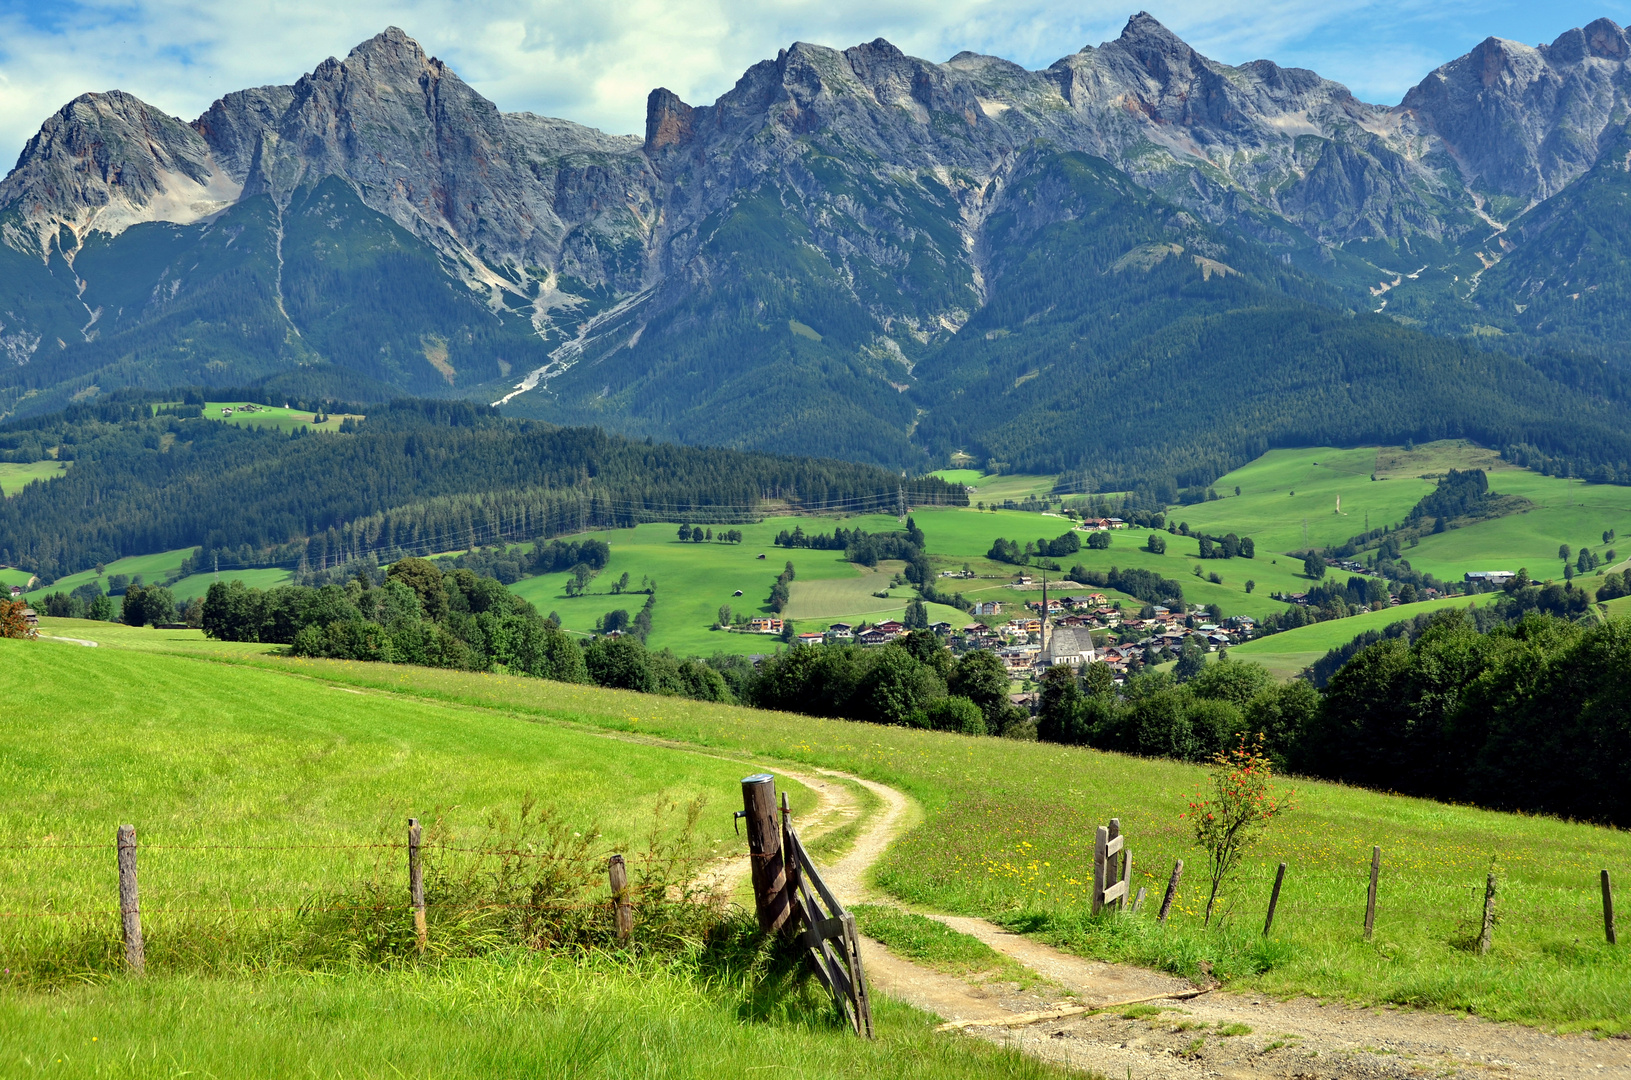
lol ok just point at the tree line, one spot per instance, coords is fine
(414, 477)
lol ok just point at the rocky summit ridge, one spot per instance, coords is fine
(898, 189)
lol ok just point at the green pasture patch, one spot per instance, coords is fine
(1008, 834)
(116, 635)
(153, 569)
(16, 475)
(272, 416)
(194, 585)
(1283, 489)
(1288, 652)
(1565, 512)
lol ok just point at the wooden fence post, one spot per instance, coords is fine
(1138, 901)
(130, 907)
(765, 850)
(1274, 898)
(617, 875)
(1126, 880)
(1101, 841)
(1485, 940)
(1172, 890)
(1608, 909)
(1370, 899)
(416, 885)
(1112, 872)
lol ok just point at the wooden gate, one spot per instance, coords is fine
(826, 930)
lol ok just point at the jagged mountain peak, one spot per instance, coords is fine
(106, 161)
(1524, 120)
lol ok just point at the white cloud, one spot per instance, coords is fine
(595, 63)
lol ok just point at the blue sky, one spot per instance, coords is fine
(595, 62)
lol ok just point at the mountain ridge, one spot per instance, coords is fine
(791, 264)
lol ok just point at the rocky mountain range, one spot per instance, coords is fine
(804, 263)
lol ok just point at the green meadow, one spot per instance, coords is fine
(1287, 653)
(272, 416)
(1285, 489)
(1007, 834)
(256, 791)
(14, 476)
(153, 568)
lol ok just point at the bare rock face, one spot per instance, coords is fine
(1522, 121)
(106, 161)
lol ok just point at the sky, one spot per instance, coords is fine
(595, 62)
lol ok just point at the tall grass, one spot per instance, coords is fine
(1009, 835)
(519, 1012)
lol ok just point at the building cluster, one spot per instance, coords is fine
(1027, 643)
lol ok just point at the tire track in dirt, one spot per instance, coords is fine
(1303, 1038)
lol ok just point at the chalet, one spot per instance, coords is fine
(977, 630)
(988, 607)
(1017, 659)
(841, 631)
(892, 628)
(16, 591)
(941, 628)
(764, 624)
(874, 636)
(1116, 523)
(31, 617)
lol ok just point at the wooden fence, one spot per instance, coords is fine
(792, 899)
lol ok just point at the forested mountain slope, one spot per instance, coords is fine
(415, 477)
(863, 254)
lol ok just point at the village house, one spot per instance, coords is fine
(987, 607)
(764, 624)
(812, 639)
(841, 631)
(873, 636)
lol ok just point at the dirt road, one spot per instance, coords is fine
(1216, 1034)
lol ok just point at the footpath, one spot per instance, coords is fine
(1214, 1034)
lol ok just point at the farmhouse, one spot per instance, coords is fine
(764, 624)
(1488, 577)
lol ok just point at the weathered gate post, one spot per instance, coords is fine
(765, 849)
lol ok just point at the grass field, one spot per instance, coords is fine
(152, 568)
(228, 756)
(198, 584)
(1285, 654)
(243, 756)
(957, 536)
(272, 416)
(1008, 834)
(994, 489)
(14, 476)
(1565, 511)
